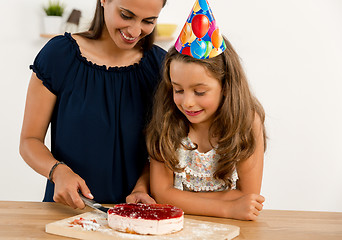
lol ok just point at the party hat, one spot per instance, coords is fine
(200, 36)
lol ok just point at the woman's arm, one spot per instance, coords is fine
(40, 103)
(246, 207)
(141, 189)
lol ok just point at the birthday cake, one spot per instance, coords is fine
(154, 219)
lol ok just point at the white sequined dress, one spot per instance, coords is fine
(199, 169)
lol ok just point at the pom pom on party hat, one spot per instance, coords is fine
(200, 36)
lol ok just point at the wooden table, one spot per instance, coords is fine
(26, 220)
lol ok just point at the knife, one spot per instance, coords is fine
(91, 203)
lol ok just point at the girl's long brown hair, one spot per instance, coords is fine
(232, 125)
(97, 25)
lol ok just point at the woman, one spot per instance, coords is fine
(95, 89)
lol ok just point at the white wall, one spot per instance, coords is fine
(292, 53)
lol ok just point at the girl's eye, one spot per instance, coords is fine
(125, 16)
(178, 91)
(199, 93)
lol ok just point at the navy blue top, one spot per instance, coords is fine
(98, 120)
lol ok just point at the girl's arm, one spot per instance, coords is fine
(141, 189)
(246, 208)
(40, 103)
(250, 171)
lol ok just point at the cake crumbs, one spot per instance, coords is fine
(90, 225)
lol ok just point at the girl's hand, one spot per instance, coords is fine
(67, 185)
(140, 197)
(247, 207)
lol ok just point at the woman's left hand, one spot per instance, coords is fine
(140, 197)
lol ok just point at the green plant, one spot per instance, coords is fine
(54, 8)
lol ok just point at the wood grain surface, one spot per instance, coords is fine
(27, 220)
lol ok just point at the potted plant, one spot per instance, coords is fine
(53, 19)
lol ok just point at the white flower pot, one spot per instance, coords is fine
(52, 24)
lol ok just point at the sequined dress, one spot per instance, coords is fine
(199, 169)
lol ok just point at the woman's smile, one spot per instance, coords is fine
(127, 38)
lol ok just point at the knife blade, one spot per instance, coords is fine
(91, 203)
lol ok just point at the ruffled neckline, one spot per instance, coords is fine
(102, 67)
(188, 141)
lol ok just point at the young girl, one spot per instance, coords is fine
(206, 139)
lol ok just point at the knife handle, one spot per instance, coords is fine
(86, 201)
(91, 203)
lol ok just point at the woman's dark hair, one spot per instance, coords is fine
(97, 24)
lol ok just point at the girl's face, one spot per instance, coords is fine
(196, 92)
(128, 21)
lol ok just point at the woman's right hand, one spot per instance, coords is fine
(247, 207)
(67, 186)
